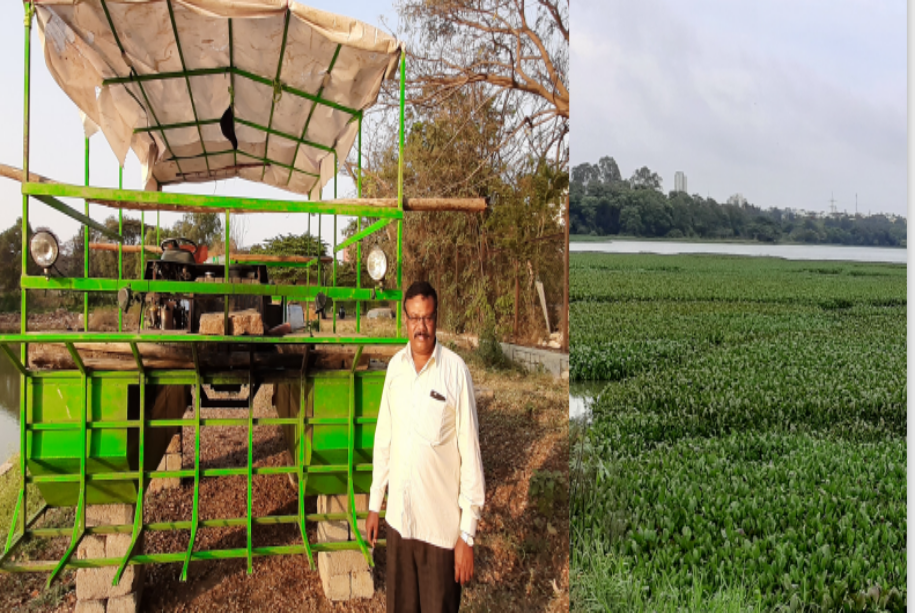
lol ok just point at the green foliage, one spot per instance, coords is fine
(611, 278)
(474, 259)
(11, 261)
(807, 518)
(489, 349)
(292, 244)
(751, 431)
(602, 203)
(602, 582)
(202, 228)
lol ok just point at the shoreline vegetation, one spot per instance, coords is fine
(604, 204)
(748, 449)
(610, 238)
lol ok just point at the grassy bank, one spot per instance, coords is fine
(748, 450)
(26, 592)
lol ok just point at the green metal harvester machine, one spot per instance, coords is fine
(202, 90)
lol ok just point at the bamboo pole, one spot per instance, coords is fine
(430, 205)
(11, 172)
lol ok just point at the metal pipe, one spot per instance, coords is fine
(250, 528)
(403, 87)
(187, 81)
(142, 242)
(23, 318)
(276, 98)
(320, 269)
(225, 256)
(86, 251)
(334, 273)
(358, 261)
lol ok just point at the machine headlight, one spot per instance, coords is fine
(44, 249)
(377, 264)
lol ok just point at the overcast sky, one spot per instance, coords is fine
(784, 102)
(57, 141)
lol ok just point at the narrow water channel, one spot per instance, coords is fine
(9, 408)
(581, 398)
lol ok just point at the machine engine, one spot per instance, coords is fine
(182, 260)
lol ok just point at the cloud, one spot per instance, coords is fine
(742, 100)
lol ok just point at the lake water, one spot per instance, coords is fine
(582, 395)
(9, 408)
(788, 252)
(581, 398)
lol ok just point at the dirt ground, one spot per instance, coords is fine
(521, 550)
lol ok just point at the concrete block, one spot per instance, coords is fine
(173, 461)
(362, 585)
(131, 582)
(331, 504)
(95, 583)
(169, 461)
(117, 544)
(158, 485)
(129, 603)
(344, 574)
(174, 445)
(90, 606)
(341, 562)
(92, 546)
(109, 515)
(333, 531)
(91, 583)
(336, 588)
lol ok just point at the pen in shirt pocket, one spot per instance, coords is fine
(437, 396)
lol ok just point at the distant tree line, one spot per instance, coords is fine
(603, 203)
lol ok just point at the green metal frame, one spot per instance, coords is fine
(335, 419)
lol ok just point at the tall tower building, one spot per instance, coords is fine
(680, 181)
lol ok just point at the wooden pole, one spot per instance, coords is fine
(517, 300)
(565, 285)
(238, 257)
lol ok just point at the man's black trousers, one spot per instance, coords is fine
(420, 577)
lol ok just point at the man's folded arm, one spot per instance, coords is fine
(473, 489)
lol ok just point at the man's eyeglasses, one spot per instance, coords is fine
(426, 320)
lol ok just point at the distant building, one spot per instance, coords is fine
(680, 181)
(737, 199)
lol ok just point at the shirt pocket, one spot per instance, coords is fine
(428, 424)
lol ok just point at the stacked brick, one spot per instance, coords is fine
(94, 592)
(345, 575)
(171, 460)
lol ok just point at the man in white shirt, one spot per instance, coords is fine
(427, 456)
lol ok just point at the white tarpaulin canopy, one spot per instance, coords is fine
(173, 79)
